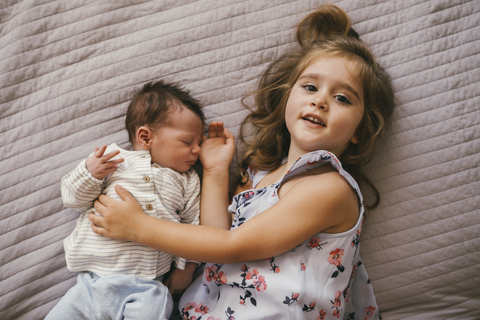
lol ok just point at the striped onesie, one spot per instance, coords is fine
(162, 193)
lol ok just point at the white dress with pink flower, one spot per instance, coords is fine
(322, 278)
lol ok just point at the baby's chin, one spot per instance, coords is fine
(183, 169)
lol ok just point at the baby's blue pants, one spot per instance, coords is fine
(114, 297)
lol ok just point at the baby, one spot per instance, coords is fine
(165, 127)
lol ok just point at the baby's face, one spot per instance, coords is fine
(176, 144)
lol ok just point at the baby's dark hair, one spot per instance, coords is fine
(151, 105)
(325, 33)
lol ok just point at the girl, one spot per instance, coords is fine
(291, 248)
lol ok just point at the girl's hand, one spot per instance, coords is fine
(100, 165)
(218, 149)
(121, 220)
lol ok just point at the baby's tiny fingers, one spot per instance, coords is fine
(99, 152)
(117, 161)
(110, 155)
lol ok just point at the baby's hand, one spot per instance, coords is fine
(100, 165)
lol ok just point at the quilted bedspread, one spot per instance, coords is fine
(69, 68)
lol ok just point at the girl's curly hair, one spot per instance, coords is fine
(322, 34)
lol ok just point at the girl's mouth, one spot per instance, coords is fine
(314, 120)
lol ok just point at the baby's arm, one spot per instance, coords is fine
(84, 184)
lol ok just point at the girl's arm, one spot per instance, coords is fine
(216, 155)
(308, 205)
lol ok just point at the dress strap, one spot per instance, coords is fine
(315, 159)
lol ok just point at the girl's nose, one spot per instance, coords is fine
(319, 103)
(319, 100)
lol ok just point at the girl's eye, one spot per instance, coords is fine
(310, 87)
(342, 99)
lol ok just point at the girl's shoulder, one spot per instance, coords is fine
(323, 179)
(313, 160)
(321, 182)
(310, 164)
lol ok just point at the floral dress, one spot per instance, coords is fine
(322, 278)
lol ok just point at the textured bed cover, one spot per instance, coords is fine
(68, 69)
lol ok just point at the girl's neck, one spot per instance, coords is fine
(293, 155)
(273, 176)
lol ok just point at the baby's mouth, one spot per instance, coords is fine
(314, 120)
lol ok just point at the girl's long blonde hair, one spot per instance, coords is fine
(323, 33)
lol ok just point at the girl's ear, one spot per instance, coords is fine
(144, 138)
(354, 139)
(356, 135)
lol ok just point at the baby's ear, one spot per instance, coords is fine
(144, 138)
(354, 139)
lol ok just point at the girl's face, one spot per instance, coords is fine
(325, 107)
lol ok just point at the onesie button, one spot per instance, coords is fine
(146, 178)
(149, 207)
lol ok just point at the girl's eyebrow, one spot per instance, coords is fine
(341, 83)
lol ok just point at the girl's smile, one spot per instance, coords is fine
(325, 107)
(313, 119)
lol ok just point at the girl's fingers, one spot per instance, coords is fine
(229, 137)
(99, 206)
(215, 129)
(123, 193)
(94, 219)
(220, 129)
(104, 201)
(96, 223)
(212, 130)
(227, 134)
